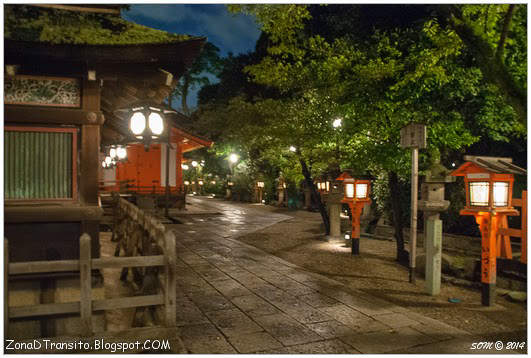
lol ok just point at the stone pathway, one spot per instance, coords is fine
(235, 298)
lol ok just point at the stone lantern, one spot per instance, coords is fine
(333, 203)
(281, 190)
(432, 203)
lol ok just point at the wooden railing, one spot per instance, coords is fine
(157, 251)
(505, 232)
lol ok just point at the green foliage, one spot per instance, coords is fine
(377, 78)
(208, 62)
(30, 23)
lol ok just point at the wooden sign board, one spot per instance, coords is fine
(413, 136)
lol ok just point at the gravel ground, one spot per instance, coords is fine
(300, 240)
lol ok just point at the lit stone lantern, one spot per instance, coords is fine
(259, 191)
(281, 191)
(356, 195)
(489, 191)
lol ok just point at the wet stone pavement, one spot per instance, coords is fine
(235, 298)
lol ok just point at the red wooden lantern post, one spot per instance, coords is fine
(489, 188)
(356, 195)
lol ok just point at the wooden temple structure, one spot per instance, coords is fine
(67, 70)
(145, 171)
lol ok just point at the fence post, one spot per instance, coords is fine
(523, 214)
(170, 291)
(85, 271)
(6, 288)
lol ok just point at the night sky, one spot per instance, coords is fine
(229, 32)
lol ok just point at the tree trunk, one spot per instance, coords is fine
(315, 195)
(394, 188)
(184, 94)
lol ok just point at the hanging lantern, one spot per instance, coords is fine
(147, 122)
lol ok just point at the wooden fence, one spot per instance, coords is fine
(155, 248)
(505, 232)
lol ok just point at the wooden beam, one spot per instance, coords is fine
(43, 310)
(133, 261)
(18, 268)
(128, 302)
(50, 213)
(46, 115)
(510, 232)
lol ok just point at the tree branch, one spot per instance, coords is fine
(494, 71)
(505, 31)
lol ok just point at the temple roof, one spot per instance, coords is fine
(59, 26)
(134, 63)
(499, 165)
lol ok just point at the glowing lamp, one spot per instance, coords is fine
(200, 182)
(185, 166)
(362, 190)
(488, 182)
(146, 121)
(121, 152)
(349, 190)
(186, 182)
(260, 184)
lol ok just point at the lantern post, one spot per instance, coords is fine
(488, 188)
(413, 136)
(356, 195)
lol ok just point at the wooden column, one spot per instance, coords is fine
(178, 168)
(6, 288)
(85, 268)
(523, 214)
(170, 289)
(90, 144)
(89, 163)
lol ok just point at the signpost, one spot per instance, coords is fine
(413, 136)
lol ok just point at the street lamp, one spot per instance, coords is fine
(146, 122)
(292, 149)
(337, 123)
(185, 166)
(356, 195)
(233, 158)
(194, 163)
(489, 191)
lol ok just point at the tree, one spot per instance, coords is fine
(207, 63)
(378, 68)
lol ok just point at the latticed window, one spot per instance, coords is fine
(40, 163)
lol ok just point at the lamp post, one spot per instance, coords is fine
(413, 136)
(356, 195)
(488, 188)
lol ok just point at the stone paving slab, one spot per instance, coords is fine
(253, 342)
(235, 298)
(288, 331)
(233, 322)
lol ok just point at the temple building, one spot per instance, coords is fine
(68, 68)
